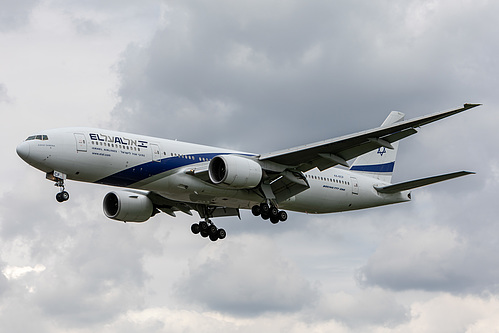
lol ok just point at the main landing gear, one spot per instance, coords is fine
(271, 212)
(206, 228)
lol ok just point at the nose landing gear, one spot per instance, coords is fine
(58, 178)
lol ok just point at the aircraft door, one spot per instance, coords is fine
(355, 185)
(156, 152)
(81, 142)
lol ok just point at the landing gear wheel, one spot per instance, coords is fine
(62, 196)
(206, 228)
(283, 216)
(256, 210)
(274, 212)
(274, 219)
(195, 228)
(221, 234)
(203, 226)
(212, 230)
(264, 208)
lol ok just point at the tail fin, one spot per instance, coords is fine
(380, 163)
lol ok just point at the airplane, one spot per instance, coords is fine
(160, 175)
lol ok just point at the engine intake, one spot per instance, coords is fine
(127, 206)
(235, 172)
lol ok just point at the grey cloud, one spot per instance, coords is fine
(33, 222)
(433, 259)
(233, 72)
(246, 276)
(94, 267)
(86, 26)
(15, 14)
(94, 17)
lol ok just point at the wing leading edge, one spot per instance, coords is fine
(328, 153)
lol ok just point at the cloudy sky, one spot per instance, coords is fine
(257, 76)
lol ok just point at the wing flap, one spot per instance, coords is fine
(218, 212)
(169, 207)
(409, 185)
(288, 185)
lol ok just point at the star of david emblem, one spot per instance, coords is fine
(381, 151)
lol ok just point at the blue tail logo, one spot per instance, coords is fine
(381, 151)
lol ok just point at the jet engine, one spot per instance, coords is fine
(235, 172)
(127, 206)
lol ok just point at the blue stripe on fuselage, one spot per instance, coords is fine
(143, 171)
(387, 167)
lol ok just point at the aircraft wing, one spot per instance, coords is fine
(328, 153)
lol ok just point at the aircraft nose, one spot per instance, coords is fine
(23, 150)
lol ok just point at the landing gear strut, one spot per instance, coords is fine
(206, 228)
(59, 182)
(271, 212)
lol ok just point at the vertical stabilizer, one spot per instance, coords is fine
(379, 163)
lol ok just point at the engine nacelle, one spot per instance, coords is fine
(235, 172)
(127, 206)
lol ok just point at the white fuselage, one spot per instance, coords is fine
(166, 167)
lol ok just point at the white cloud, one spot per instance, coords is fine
(449, 313)
(13, 272)
(369, 307)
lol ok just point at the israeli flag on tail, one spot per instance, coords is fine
(380, 163)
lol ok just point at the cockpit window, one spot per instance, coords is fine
(37, 137)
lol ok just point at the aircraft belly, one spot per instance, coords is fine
(187, 188)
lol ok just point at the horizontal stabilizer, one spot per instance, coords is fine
(420, 182)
